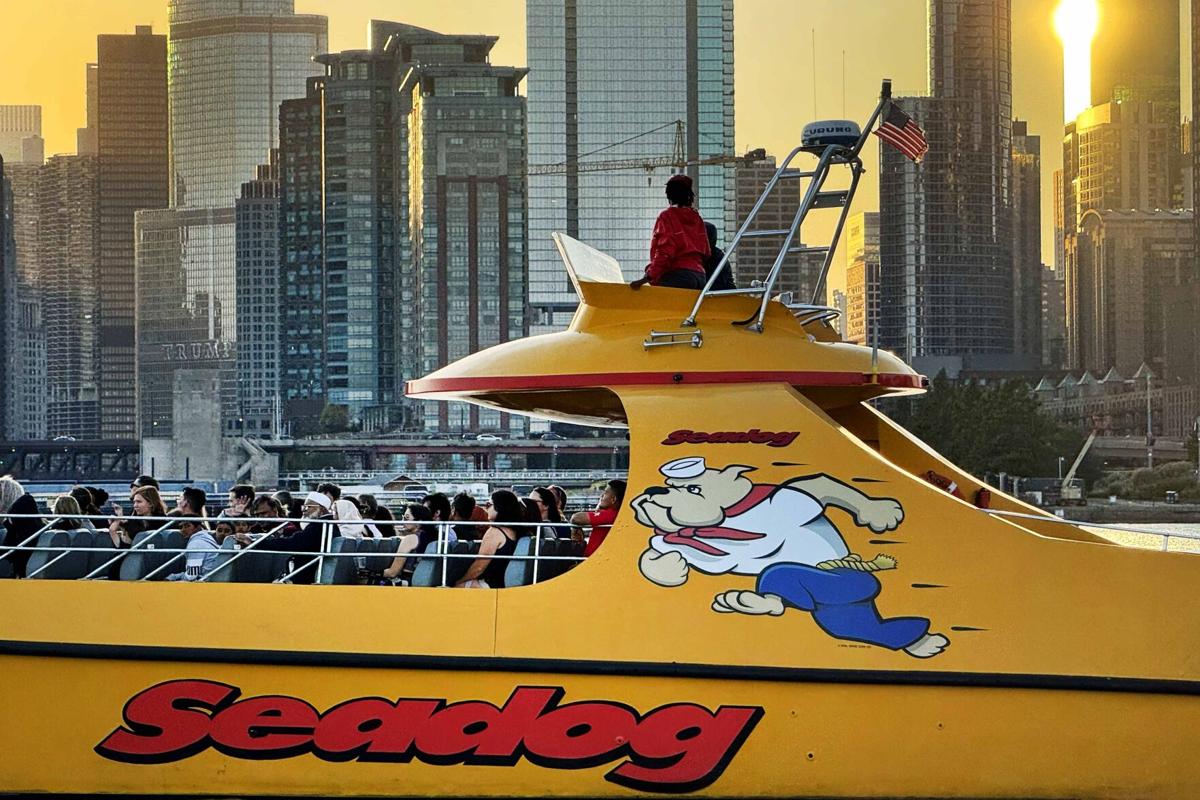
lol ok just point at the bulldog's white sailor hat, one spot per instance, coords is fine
(689, 467)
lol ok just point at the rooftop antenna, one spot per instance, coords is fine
(814, 71)
(843, 83)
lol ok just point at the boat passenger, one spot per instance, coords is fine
(72, 512)
(548, 506)
(372, 510)
(143, 480)
(724, 281)
(317, 510)
(439, 504)
(67, 509)
(87, 504)
(267, 507)
(560, 494)
(346, 512)
(464, 509)
(240, 498)
(330, 490)
(500, 539)
(415, 536)
(223, 530)
(679, 246)
(601, 519)
(146, 502)
(533, 514)
(193, 502)
(202, 549)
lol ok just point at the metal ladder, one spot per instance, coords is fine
(815, 198)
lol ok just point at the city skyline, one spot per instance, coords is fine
(773, 61)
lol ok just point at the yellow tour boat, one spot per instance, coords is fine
(785, 607)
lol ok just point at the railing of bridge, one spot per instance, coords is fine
(83, 549)
(495, 477)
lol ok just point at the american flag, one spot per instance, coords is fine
(898, 130)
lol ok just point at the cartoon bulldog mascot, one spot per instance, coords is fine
(717, 521)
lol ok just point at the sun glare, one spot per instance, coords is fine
(1076, 21)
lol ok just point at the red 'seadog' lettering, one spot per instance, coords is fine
(752, 436)
(680, 747)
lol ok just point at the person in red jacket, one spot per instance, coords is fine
(679, 247)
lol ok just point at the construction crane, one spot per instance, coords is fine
(677, 160)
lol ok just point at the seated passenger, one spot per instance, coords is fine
(463, 509)
(193, 502)
(601, 519)
(317, 511)
(679, 246)
(146, 502)
(240, 498)
(87, 506)
(547, 503)
(724, 281)
(267, 507)
(346, 512)
(15, 500)
(500, 539)
(415, 537)
(202, 550)
(67, 509)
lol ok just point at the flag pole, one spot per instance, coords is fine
(872, 280)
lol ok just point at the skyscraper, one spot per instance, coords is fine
(754, 258)
(256, 217)
(1134, 293)
(373, 255)
(585, 60)
(1115, 156)
(21, 135)
(946, 226)
(862, 277)
(1135, 55)
(22, 336)
(467, 185)
(133, 149)
(69, 282)
(302, 259)
(231, 63)
(186, 311)
(1027, 241)
(86, 143)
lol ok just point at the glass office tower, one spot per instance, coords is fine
(608, 79)
(231, 63)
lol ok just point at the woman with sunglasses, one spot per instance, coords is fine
(547, 503)
(416, 532)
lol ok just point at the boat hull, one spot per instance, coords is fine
(131, 720)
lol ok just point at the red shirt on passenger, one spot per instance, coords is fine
(680, 242)
(601, 521)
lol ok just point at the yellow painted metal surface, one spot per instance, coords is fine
(726, 640)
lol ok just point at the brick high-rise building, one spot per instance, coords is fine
(753, 258)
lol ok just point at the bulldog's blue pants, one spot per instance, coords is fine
(842, 602)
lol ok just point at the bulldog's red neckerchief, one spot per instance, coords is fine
(692, 537)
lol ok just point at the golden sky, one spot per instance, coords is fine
(45, 44)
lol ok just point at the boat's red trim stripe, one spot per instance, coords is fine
(582, 380)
